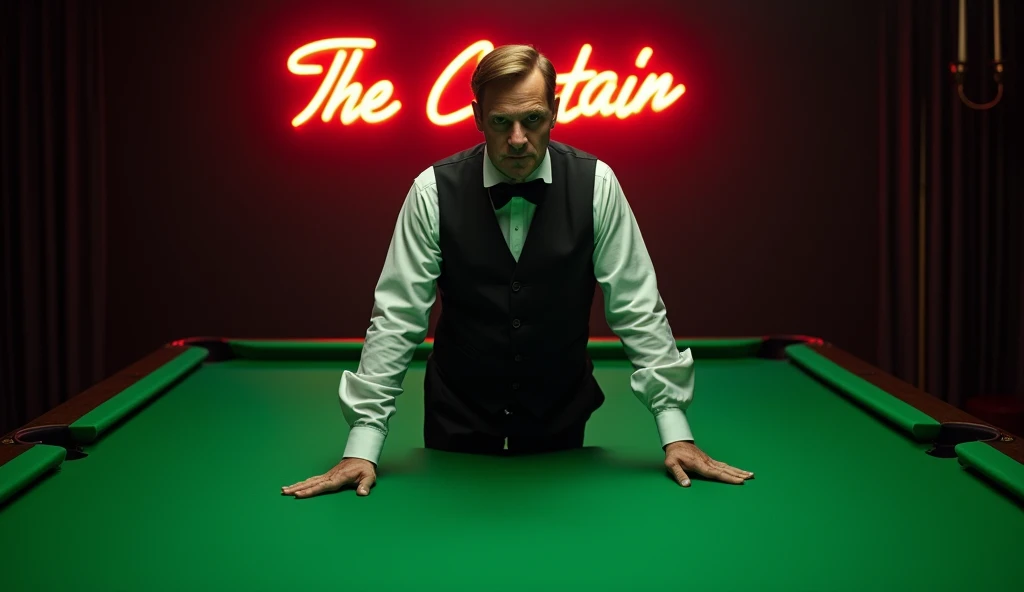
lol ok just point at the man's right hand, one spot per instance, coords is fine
(350, 472)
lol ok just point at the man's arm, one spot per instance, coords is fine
(403, 298)
(663, 376)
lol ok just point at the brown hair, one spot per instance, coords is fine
(512, 61)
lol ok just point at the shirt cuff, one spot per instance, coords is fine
(673, 426)
(365, 443)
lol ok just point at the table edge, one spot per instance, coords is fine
(76, 407)
(1009, 443)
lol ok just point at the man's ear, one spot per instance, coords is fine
(554, 116)
(478, 116)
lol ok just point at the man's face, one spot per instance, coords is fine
(516, 121)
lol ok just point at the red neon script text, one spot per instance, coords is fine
(599, 93)
(343, 91)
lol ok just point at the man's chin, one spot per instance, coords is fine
(518, 168)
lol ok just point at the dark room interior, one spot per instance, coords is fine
(199, 200)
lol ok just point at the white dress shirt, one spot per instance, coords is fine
(662, 378)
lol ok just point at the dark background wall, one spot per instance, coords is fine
(756, 192)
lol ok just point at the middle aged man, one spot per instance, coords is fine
(516, 233)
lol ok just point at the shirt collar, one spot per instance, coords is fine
(493, 176)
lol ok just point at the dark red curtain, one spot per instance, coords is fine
(52, 219)
(951, 203)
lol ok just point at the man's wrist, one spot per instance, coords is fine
(672, 426)
(365, 443)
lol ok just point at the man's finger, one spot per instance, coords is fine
(680, 475)
(306, 487)
(739, 472)
(312, 490)
(733, 470)
(318, 483)
(333, 483)
(365, 485)
(712, 471)
(300, 484)
(724, 475)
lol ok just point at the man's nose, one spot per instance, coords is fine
(518, 137)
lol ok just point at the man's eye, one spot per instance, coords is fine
(499, 120)
(533, 118)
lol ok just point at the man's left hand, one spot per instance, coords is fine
(684, 456)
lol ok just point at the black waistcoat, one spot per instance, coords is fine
(515, 334)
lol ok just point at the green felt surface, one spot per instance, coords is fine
(186, 495)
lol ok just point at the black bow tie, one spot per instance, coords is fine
(531, 191)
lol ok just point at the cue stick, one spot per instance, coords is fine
(921, 246)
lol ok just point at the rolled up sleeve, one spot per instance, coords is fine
(663, 376)
(403, 298)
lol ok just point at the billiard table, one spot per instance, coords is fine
(168, 476)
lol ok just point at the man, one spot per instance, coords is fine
(509, 362)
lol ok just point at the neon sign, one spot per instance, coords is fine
(600, 93)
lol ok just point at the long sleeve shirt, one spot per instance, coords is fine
(663, 376)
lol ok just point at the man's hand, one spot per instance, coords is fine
(684, 456)
(349, 472)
